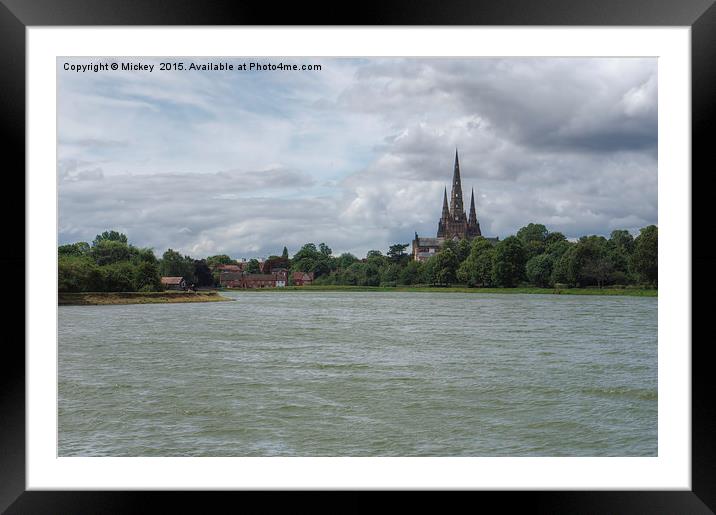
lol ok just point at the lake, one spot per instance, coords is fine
(361, 374)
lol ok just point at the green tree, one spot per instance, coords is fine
(445, 267)
(120, 277)
(389, 274)
(173, 264)
(110, 236)
(345, 260)
(353, 275)
(253, 266)
(219, 259)
(146, 277)
(377, 259)
(410, 273)
(428, 271)
(80, 248)
(598, 269)
(620, 248)
(145, 255)
(284, 254)
(202, 273)
(622, 239)
(534, 239)
(311, 259)
(553, 238)
(371, 274)
(532, 232)
(645, 259)
(452, 245)
(476, 270)
(508, 263)
(107, 251)
(563, 271)
(533, 248)
(557, 247)
(588, 262)
(463, 249)
(79, 274)
(397, 252)
(539, 270)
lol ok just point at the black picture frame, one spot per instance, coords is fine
(16, 15)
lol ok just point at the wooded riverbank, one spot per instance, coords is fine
(108, 298)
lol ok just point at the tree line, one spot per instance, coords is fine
(532, 257)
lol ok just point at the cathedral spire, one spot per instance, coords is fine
(456, 206)
(473, 214)
(446, 212)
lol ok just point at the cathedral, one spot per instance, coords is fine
(454, 224)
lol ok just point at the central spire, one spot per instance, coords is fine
(456, 206)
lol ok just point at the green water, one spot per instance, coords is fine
(361, 374)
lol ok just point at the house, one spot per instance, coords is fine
(281, 278)
(425, 248)
(173, 283)
(245, 280)
(276, 280)
(230, 279)
(303, 278)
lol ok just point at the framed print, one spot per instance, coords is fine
(413, 250)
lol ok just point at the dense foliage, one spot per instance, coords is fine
(109, 264)
(534, 256)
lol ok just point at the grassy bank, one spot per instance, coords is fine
(101, 299)
(632, 292)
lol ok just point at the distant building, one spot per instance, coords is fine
(281, 278)
(425, 248)
(454, 224)
(277, 280)
(303, 278)
(228, 276)
(230, 279)
(245, 280)
(173, 283)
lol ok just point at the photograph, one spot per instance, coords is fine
(357, 256)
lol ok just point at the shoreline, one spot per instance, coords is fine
(121, 298)
(627, 292)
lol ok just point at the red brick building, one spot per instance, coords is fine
(276, 280)
(303, 278)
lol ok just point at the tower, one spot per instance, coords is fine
(445, 217)
(473, 226)
(453, 222)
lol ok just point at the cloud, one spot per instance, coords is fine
(356, 155)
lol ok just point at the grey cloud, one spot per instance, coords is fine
(178, 211)
(596, 105)
(78, 170)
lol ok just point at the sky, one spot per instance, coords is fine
(355, 154)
